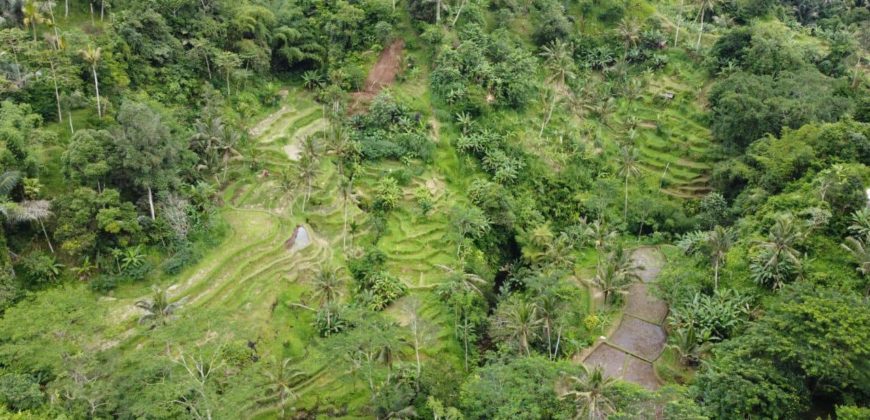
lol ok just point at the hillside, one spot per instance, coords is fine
(434, 209)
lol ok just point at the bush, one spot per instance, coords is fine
(105, 283)
(184, 256)
(20, 392)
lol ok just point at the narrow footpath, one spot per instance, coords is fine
(639, 340)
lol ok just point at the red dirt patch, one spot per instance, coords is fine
(381, 75)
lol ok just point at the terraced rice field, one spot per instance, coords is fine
(678, 158)
(258, 282)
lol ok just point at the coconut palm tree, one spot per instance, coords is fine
(459, 280)
(327, 285)
(25, 211)
(32, 12)
(590, 393)
(158, 308)
(308, 170)
(615, 274)
(282, 380)
(560, 64)
(719, 241)
(92, 56)
(517, 320)
(345, 187)
(629, 167)
(629, 30)
(704, 5)
(778, 257)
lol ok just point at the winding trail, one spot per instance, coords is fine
(639, 340)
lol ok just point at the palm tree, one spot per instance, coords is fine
(308, 169)
(327, 285)
(615, 274)
(778, 256)
(629, 167)
(32, 12)
(860, 251)
(283, 378)
(629, 31)
(704, 5)
(25, 211)
(719, 241)
(560, 65)
(517, 320)
(459, 280)
(158, 308)
(91, 56)
(345, 187)
(468, 222)
(590, 394)
(686, 342)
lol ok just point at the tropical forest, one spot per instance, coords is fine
(435, 209)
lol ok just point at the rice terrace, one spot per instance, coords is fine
(446, 209)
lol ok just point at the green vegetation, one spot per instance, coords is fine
(434, 209)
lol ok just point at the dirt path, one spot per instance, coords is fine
(381, 75)
(639, 340)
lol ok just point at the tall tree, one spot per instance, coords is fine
(517, 321)
(148, 152)
(560, 64)
(629, 167)
(704, 5)
(32, 12)
(227, 62)
(719, 241)
(92, 56)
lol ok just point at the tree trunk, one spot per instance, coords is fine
(625, 205)
(417, 355)
(677, 23)
(549, 342)
(701, 31)
(716, 275)
(102, 9)
(56, 92)
(97, 90)
(456, 18)
(66, 9)
(69, 118)
(465, 340)
(228, 84)
(92, 13)
(151, 202)
(207, 66)
(437, 12)
(549, 114)
(344, 229)
(44, 232)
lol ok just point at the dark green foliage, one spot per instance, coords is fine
(812, 342)
(20, 392)
(523, 388)
(391, 130)
(39, 269)
(746, 106)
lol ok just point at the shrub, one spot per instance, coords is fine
(20, 392)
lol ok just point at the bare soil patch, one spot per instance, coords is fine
(381, 75)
